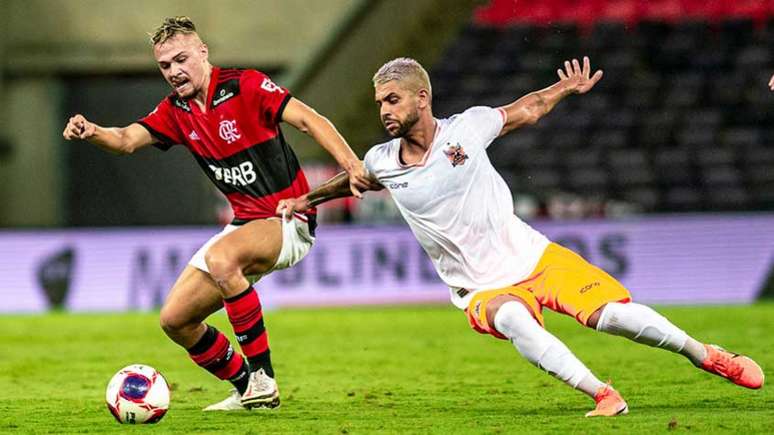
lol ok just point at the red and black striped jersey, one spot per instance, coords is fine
(237, 141)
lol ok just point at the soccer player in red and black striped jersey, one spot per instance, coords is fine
(229, 120)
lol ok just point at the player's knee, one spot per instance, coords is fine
(220, 263)
(494, 306)
(171, 321)
(593, 320)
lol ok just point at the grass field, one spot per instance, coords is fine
(389, 370)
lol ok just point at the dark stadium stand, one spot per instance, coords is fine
(682, 121)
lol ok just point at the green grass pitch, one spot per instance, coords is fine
(386, 370)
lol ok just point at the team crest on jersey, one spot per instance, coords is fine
(456, 154)
(228, 131)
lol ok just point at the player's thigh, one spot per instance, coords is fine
(254, 246)
(192, 299)
(575, 287)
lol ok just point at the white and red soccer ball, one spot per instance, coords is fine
(137, 394)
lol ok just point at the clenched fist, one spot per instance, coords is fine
(79, 128)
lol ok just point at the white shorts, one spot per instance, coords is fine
(296, 242)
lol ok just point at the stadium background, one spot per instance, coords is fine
(663, 175)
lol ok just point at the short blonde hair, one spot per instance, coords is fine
(405, 70)
(171, 27)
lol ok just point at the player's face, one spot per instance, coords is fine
(182, 60)
(398, 108)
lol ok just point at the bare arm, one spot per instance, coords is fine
(117, 140)
(336, 187)
(530, 108)
(308, 121)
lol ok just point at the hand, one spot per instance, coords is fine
(771, 83)
(79, 128)
(577, 80)
(287, 207)
(359, 181)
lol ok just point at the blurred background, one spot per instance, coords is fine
(668, 164)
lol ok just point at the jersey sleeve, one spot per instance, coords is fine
(368, 162)
(263, 95)
(487, 122)
(161, 124)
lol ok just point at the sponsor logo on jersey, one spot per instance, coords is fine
(223, 95)
(193, 136)
(589, 287)
(182, 104)
(225, 91)
(394, 186)
(240, 175)
(477, 309)
(228, 131)
(455, 154)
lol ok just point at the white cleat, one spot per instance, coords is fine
(262, 391)
(230, 403)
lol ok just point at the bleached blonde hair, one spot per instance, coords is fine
(407, 71)
(171, 27)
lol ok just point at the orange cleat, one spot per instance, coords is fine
(609, 403)
(738, 369)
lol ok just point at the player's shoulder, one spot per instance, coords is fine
(380, 150)
(247, 76)
(380, 154)
(228, 74)
(474, 112)
(474, 117)
(258, 81)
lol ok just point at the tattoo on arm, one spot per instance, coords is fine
(336, 187)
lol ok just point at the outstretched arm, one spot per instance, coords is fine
(308, 121)
(528, 109)
(117, 140)
(336, 187)
(771, 83)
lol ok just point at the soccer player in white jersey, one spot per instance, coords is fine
(499, 270)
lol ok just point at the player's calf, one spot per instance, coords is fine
(214, 353)
(642, 324)
(542, 349)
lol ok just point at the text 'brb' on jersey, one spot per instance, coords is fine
(237, 141)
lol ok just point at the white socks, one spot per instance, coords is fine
(542, 349)
(634, 321)
(643, 325)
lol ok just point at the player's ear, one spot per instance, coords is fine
(204, 50)
(424, 98)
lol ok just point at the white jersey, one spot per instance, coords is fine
(459, 208)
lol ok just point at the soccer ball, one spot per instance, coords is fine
(137, 394)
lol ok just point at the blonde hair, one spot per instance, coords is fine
(171, 27)
(407, 71)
